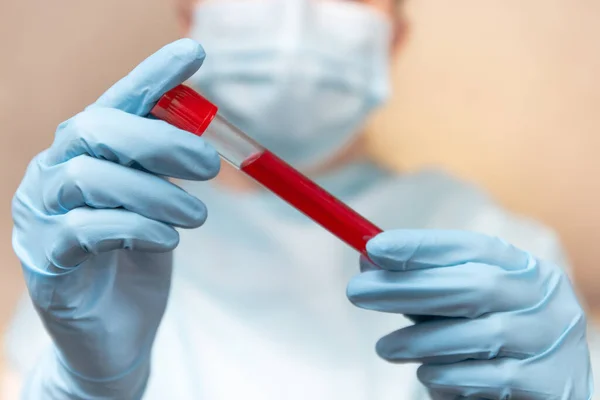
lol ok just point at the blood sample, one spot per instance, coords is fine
(188, 110)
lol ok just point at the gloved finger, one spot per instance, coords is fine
(368, 265)
(141, 88)
(402, 250)
(500, 378)
(86, 231)
(129, 140)
(468, 290)
(453, 340)
(86, 181)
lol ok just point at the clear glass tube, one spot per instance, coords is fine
(230, 142)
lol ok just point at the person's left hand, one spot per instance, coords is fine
(492, 321)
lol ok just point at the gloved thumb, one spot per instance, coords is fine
(162, 71)
(407, 250)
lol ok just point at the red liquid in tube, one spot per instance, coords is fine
(309, 198)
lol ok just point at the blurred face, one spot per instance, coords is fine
(299, 76)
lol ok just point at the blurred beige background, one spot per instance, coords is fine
(504, 93)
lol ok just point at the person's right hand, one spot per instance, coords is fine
(94, 227)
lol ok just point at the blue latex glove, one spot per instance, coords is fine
(501, 324)
(94, 229)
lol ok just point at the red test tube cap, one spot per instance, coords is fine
(185, 109)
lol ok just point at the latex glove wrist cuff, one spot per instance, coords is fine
(53, 376)
(128, 385)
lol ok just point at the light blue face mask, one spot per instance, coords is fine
(299, 76)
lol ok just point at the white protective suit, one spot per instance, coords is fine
(270, 319)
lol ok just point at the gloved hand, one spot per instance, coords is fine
(500, 323)
(94, 229)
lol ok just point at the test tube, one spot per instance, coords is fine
(188, 110)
